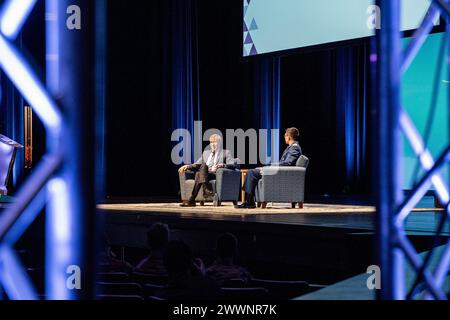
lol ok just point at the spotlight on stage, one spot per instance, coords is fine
(8, 151)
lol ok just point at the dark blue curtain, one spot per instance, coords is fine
(185, 80)
(352, 66)
(12, 123)
(101, 44)
(268, 103)
(184, 75)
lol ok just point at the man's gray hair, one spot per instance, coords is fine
(215, 137)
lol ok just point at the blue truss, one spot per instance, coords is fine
(34, 193)
(399, 248)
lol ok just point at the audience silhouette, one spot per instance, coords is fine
(109, 262)
(157, 239)
(224, 268)
(185, 280)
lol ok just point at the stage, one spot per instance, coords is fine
(325, 242)
(422, 220)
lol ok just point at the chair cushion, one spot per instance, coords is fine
(302, 162)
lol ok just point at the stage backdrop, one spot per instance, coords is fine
(270, 25)
(425, 97)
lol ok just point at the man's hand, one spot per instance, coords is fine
(217, 166)
(183, 169)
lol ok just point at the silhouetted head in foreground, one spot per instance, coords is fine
(158, 237)
(226, 247)
(177, 258)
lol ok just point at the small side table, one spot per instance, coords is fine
(243, 175)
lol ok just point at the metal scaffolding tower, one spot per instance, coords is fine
(393, 246)
(64, 180)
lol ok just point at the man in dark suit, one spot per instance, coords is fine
(206, 167)
(289, 158)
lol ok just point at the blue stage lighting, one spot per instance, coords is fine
(28, 84)
(30, 197)
(15, 282)
(424, 155)
(14, 15)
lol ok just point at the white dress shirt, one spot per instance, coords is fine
(212, 160)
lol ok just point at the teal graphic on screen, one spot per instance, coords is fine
(277, 25)
(425, 89)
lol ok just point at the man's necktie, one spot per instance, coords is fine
(211, 160)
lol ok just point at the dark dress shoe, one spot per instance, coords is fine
(188, 204)
(247, 205)
(249, 202)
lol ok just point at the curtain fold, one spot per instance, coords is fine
(268, 105)
(352, 114)
(184, 70)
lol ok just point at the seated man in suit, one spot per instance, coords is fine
(290, 156)
(206, 168)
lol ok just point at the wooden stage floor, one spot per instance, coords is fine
(421, 221)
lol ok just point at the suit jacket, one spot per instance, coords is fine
(224, 157)
(291, 155)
